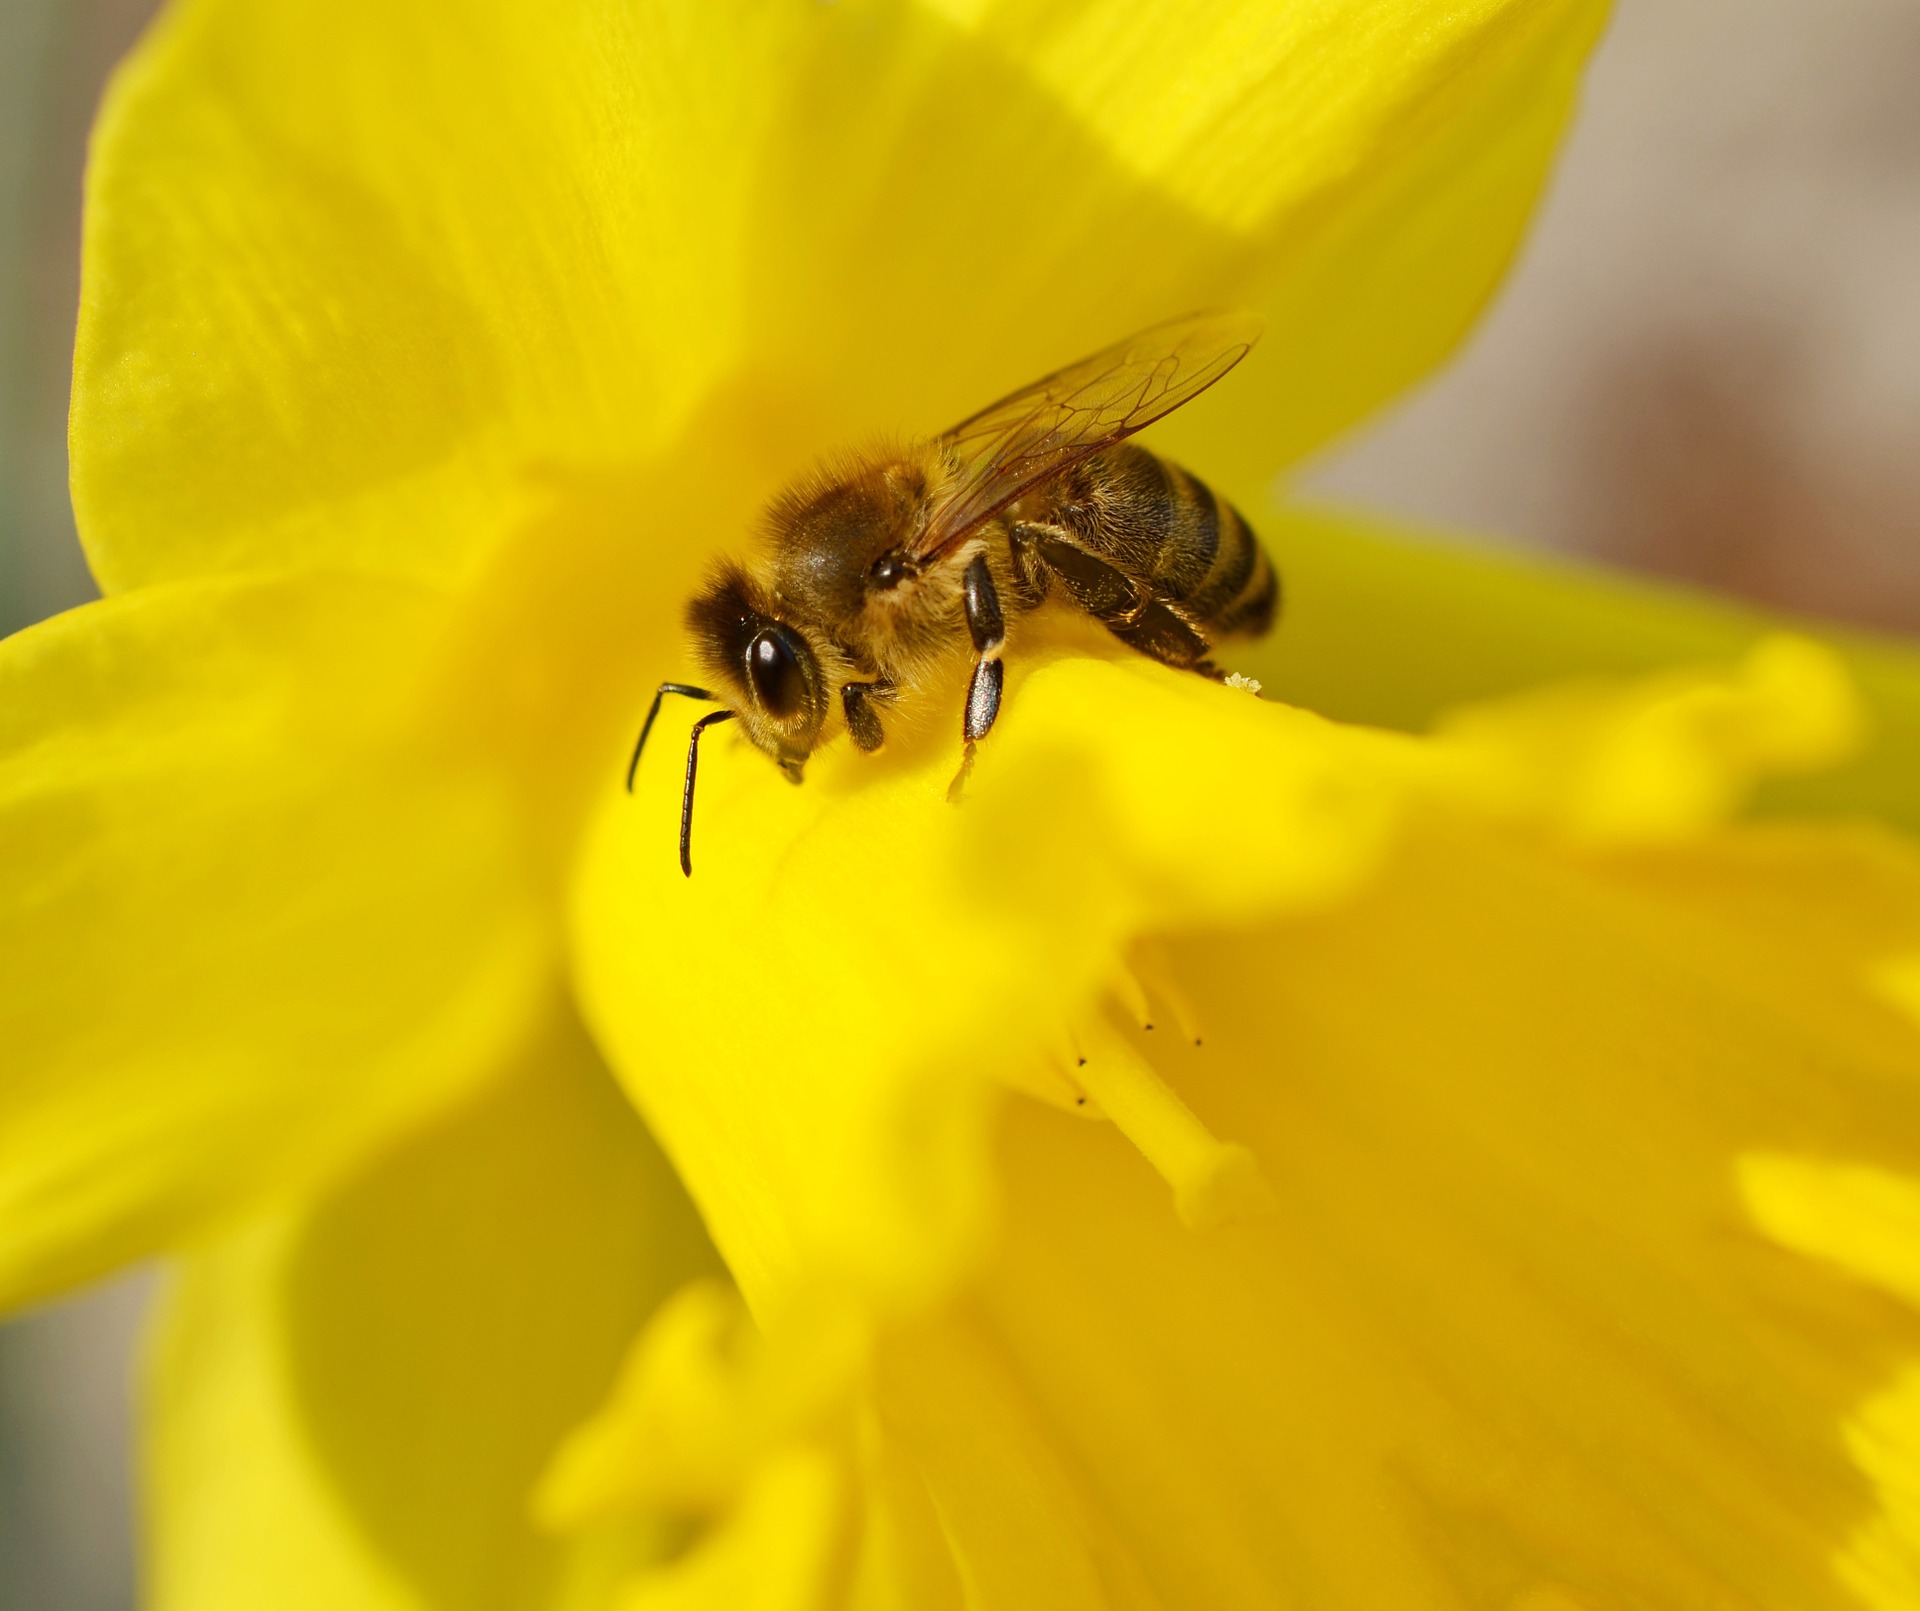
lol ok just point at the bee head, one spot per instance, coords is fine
(766, 668)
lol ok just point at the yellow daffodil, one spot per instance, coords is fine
(1401, 1141)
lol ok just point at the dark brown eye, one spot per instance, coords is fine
(774, 668)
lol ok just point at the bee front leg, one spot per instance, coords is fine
(858, 699)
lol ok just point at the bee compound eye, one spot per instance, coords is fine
(774, 669)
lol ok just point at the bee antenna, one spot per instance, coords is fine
(686, 799)
(653, 710)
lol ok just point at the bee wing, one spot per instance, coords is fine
(1046, 428)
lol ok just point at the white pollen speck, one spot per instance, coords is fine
(1251, 684)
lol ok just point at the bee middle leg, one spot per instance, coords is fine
(987, 626)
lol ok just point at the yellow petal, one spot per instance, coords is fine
(1882, 1561)
(1359, 172)
(1393, 625)
(699, 1406)
(1477, 1093)
(350, 1404)
(1676, 758)
(1510, 1338)
(376, 270)
(1022, 1523)
(777, 1553)
(1865, 1221)
(246, 934)
(1896, 979)
(383, 274)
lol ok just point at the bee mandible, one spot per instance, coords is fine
(880, 566)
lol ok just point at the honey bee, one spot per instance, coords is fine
(879, 567)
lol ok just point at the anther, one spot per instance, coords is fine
(1052, 1076)
(1132, 995)
(1153, 967)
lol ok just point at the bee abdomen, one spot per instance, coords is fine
(1251, 611)
(1144, 526)
(1213, 567)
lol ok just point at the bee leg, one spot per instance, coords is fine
(1162, 634)
(1125, 606)
(983, 701)
(863, 721)
(987, 626)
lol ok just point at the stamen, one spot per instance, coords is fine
(1133, 995)
(1054, 1076)
(1213, 1181)
(1153, 965)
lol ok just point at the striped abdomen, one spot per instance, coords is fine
(1151, 551)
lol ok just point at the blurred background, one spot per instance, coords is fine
(1707, 365)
